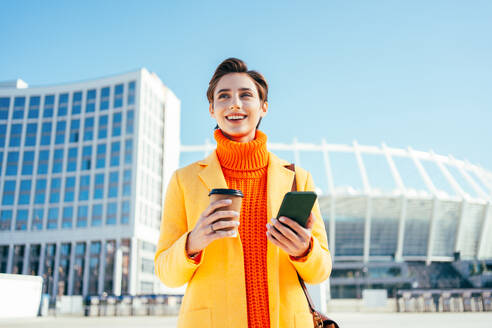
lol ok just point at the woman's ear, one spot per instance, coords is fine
(264, 109)
(211, 109)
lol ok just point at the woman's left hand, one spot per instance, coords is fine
(290, 236)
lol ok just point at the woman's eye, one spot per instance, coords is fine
(247, 95)
(223, 95)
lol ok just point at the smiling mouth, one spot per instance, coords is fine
(236, 118)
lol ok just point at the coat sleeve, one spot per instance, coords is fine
(315, 267)
(172, 265)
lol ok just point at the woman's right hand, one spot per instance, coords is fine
(209, 227)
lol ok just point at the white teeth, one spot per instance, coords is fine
(236, 117)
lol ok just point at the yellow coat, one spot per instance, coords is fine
(216, 294)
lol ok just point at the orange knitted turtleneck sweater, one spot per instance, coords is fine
(245, 167)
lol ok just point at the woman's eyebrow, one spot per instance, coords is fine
(240, 89)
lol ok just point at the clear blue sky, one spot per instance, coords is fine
(409, 73)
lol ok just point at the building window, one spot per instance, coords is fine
(34, 103)
(49, 105)
(43, 161)
(86, 158)
(129, 121)
(131, 93)
(3, 134)
(125, 212)
(15, 135)
(104, 104)
(125, 265)
(84, 186)
(48, 268)
(76, 102)
(90, 103)
(109, 266)
(82, 213)
(37, 219)
(101, 156)
(113, 185)
(21, 220)
(63, 104)
(52, 222)
(118, 96)
(61, 127)
(103, 127)
(28, 163)
(72, 160)
(31, 131)
(127, 182)
(18, 260)
(4, 108)
(40, 191)
(25, 192)
(55, 190)
(67, 217)
(97, 213)
(46, 133)
(19, 105)
(115, 154)
(57, 161)
(8, 192)
(95, 251)
(5, 220)
(34, 257)
(147, 266)
(74, 131)
(116, 124)
(69, 189)
(1, 161)
(12, 162)
(88, 128)
(78, 268)
(63, 269)
(111, 212)
(98, 186)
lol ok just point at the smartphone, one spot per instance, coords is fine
(297, 205)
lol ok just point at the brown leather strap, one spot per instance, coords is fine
(319, 319)
(292, 167)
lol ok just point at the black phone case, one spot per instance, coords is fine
(297, 205)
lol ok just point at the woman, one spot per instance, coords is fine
(250, 280)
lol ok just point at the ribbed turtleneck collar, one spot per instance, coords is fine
(243, 156)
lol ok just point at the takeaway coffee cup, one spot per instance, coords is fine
(233, 194)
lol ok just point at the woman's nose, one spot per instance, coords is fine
(235, 102)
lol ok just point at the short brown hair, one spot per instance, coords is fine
(234, 65)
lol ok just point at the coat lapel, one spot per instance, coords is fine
(212, 175)
(279, 182)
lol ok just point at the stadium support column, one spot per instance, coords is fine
(403, 210)
(367, 191)
(436, 202)
(10, 258)
(486, 226)
(331, 187)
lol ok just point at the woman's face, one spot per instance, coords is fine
(237, 107)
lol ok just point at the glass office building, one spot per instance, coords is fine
(83, 167)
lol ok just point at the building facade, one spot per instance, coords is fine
(83, 167)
